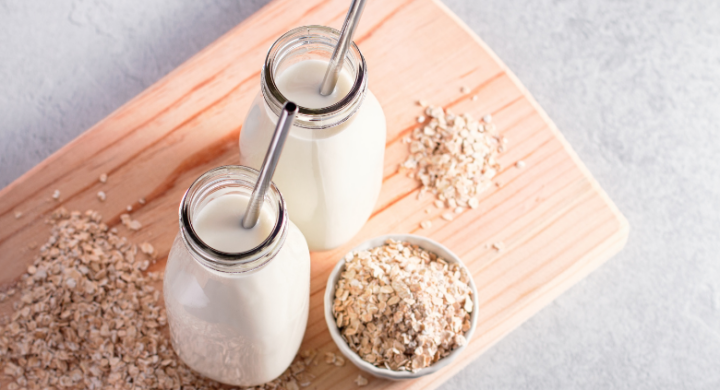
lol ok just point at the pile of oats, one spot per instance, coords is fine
(454, 157)
(402, 308)
(88, 317)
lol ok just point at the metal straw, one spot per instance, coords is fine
(338, 57)
(268, 167)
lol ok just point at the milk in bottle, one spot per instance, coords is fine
(331, 168)
(237, 299)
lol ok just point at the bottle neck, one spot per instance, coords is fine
(313, 42)
(231, 179)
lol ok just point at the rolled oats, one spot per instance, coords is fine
(400, 307)
(89, 318)
(329, 357)
(147, 248)
(453, 156)
(361, 380)
(473, 203)
(130, 223)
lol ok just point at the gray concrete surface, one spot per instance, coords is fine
(633, 85)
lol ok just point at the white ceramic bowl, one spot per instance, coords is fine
(427, 244)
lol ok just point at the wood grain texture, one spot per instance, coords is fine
(555, 221)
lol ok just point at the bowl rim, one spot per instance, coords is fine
(427, 244)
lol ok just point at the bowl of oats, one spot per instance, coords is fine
(401, 306)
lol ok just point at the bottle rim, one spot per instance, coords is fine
(245, 261)
(325, 38)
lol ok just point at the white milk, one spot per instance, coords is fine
(240, 328)
(217, 224)
(300, 83)
(331, 177)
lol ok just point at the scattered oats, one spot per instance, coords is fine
(487, 118)
(56, 195)
(101, 195)
(361, 380)
(453, 157)
(427, 211)
(426, 224)
(474, 98)
(498, 184)
(128, 208)
(339, 361)
(329, 357)
(103, 178)
(447, 216)
(130, 223)
(520, 164)
(459, 210)
(88, 318)
(498, 246)
(18, 214)
(400, 307)
(421, 119)
(422, 103)
(465, 90)
(141, 200)
(147, 248)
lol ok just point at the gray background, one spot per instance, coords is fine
(634, 86)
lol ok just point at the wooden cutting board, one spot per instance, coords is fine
(556, 223)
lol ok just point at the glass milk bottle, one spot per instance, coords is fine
(331, 168)
(237, 299)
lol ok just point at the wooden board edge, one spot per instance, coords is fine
(566, 281)
(624, 225)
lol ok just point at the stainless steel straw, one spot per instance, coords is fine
(268, 167)
(338, 57)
